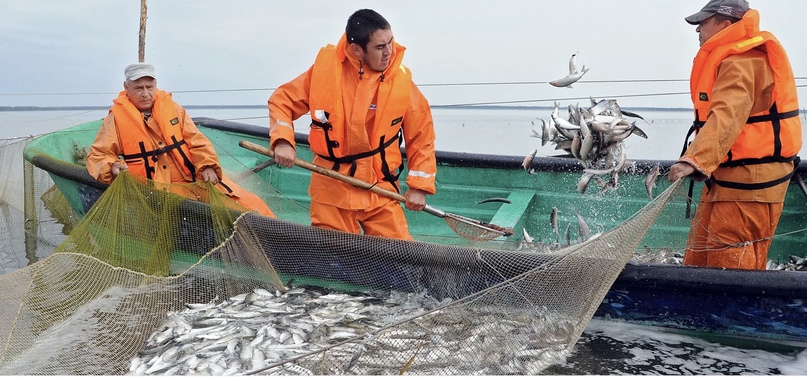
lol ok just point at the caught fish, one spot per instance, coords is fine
(650, 181)
(553, 219)
(582, 226)
(528, 237)
(582, 184)
(567, 234)
(573, 75)
(495, 200)
(546, 133)
(527, 164)
(595, 136)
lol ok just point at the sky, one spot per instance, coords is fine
(72, 53)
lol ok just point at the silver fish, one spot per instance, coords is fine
(528, 159)
(546, 134)
(638, 131)
(650, 181)
(553, 219)
(528, 238)
(582, 184)
(567, 81)
(495, 200)
(582, 226)
(573, 75)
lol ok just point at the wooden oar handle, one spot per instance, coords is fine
(326, 172)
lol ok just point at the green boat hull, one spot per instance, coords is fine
(463, 181)
(755, 304)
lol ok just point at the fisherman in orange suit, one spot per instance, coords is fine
(152, 136)
(363, 104)
(748, 133)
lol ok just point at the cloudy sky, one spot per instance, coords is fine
(72, 53)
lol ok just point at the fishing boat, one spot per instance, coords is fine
(494, 189)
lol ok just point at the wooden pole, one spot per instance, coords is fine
(141, 55)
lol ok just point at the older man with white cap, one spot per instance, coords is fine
(150, 135)
(747, 134)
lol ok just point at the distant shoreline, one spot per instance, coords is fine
(237, 107)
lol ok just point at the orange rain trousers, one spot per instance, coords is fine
(385, 221)
(729, 234)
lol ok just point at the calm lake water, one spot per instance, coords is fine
(606, 347)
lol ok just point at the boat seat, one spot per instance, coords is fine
(512, 215)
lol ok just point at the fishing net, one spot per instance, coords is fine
(26, 224)
(11, 185)
(150, 282)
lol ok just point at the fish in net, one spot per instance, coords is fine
(145, 261)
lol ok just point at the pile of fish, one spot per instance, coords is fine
(661, 255)
(309, 331)
(795, 263)
(593, 135)
(669, 256)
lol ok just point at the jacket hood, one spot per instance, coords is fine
(343, 53)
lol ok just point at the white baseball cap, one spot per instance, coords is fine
(138, 70)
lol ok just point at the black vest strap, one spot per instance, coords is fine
(338, 161)
(352, 158)
(775, 118)
(751, 186)
(388, 175)
(756, 186)
(696, 125)
(229, 190)
(185, 159)
(147, 155)
(146, 163)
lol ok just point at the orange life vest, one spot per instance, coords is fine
(140, 151)
(328, 132)
(773, 135)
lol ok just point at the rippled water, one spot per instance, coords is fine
(606, 347)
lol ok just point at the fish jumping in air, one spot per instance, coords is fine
(573, 76)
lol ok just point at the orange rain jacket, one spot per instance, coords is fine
(356, 120)
(168, 148)
(748, 133)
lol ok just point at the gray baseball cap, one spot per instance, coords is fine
(731, 8)
(138, 70)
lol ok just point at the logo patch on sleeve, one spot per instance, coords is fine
(174, 121)
(396, 121)
(703, 96)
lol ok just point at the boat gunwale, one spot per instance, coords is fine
(463, 159)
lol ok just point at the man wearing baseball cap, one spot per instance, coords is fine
(734, 9)
(150, 135)
(747, 134)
